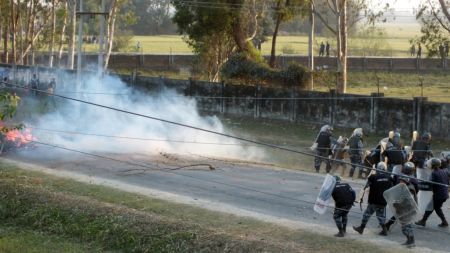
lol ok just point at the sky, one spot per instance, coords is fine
(403, 5)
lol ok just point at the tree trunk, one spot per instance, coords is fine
(73, 23)
(5, 43)
(311, 47)
(52, 35)
(13, 31)
(274, 37)
(63, 32)
(342, 70)
(111, 28)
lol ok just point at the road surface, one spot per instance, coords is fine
(257, 190)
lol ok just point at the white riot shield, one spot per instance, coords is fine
(325, 194)
(425, 195)
(402, 203)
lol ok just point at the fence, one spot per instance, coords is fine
(374, 113)
(172, 62)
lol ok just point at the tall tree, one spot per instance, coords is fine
(434, 17)
(285, 10)
(62, 35)
(345, 14)
(218, 28)
(52, 35)
(72, 32)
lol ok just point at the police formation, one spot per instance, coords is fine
(392, 182)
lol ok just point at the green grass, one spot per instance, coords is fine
(300, 137)
(397, 39)
(35, 206)
(19, 240)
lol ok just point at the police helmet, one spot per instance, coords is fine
(408, 168)
(338, 179)
(381, 166)
(435, 163)
(426, 136)
(358, 132)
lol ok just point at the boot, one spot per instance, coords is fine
(352, 170)
(389, 224)
(341, 233)
(344, 228)
(359, 229)
(360, 176)
(444, 224)
(384, 230)
(410, 242)
(422, 223)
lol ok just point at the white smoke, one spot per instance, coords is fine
(76, 117)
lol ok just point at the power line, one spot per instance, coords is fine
(213, 132)
(166, 140)
(172, 171)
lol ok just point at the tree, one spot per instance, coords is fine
(217, 29)
(434, 17)
(346, 14)
(285, 10)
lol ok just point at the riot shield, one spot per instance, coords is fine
(425, 195)
(402, 203)
(325, 194)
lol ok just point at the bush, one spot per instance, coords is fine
(240, 68)
(288, 49)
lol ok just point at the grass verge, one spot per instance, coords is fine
(69, 213)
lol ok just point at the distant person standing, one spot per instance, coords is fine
(412, 50)
(419, 51)
(446, 49)
(321, 49)
(138, 46)
(327, 49)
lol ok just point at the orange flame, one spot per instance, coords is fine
(18, 138)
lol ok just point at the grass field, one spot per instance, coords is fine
(396, 42)
(60, 215)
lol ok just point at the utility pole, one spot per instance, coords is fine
(310, 45)
(81, 14)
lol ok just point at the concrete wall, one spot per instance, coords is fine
(177, 62)
(374, 113)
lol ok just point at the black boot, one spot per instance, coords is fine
(359, 229)
(389, 224)
(410, 242)
(341, 233)
(444, 224)
(383, 230)
(344, 227)
(422, 223)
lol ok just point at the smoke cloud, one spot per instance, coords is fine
(75, 117)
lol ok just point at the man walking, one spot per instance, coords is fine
(378, 183)
(343, 196)
(440, 193)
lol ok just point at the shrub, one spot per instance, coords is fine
(240, 68)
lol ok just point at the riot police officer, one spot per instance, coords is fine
(394, 155)
(343, 196)
(356, 152)
(440, 193)
(378, 183)
(421, 150)
(324, 141)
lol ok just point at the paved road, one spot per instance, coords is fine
(253, 188)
